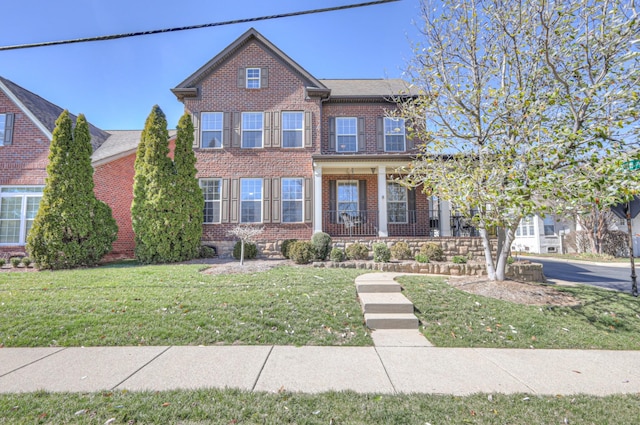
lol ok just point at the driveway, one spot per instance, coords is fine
(616, 276)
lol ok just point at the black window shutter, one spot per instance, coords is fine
(332, 134)
(8, 129)
(411, 205)
(362, 195)
(361, 141)
(242, 73)
(333, 203)
(264, 78)
(380, 133)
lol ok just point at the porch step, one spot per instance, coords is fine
(390, 302)
(377, 283)
(391, 321)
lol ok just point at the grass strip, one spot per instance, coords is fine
(453, 318)
(241, 407)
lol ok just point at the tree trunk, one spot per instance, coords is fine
(486, 244)
(242, 252)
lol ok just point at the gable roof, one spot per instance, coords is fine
(373, 89)
(44, 113)
(188, 87)
(120, 143)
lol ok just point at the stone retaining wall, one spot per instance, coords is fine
(526, 272)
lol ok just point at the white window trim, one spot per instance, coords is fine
(357, 200)
(219, 201)
(301, 130)
(202, 130)
(526, 222)
(355, 148)
(405, 202)
(403, 133)
(247, 78)
(301, 200)
(22, 238)
(242, 131)
(261, 209)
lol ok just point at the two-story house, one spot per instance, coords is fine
(278, 147)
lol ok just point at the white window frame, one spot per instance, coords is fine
(299, 131)
(26, 193)
(253, 76)
(549, 222)
(344, 183)
(3, 127)
(394, 127)
(251, 197)
(297, 199)
(398, 202)
(252, 130)
(526, 227)
(340, 134)
(212, 126)
(215, 201)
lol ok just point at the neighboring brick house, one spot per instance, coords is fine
(278, 147)
(27, 122)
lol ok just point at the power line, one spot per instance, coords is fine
(192, 27)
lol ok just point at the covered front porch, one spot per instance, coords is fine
(361, 197)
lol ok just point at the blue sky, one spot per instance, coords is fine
(115, 83)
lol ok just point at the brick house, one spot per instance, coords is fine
(278, 147)
(27, 122)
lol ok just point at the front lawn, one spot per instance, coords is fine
(453, 318)
(125, 305)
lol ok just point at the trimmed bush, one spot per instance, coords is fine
(357, 251)
(433, 251)
(401, 251)
(206, 252)
(26, 261)
(302, 252)
(250, 250)
(421, 258)
(286, 245)
(322, 243)
(381, 253)
(2, 262)
(337, 255)
(15, 261)
(459, 259)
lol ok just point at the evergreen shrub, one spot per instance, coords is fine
(357, 251)
(286, 245)
(401, 251)
(322, 243)
(381, 253)
(250, 250)
(433, 251)
(302, 252)
(337, 255)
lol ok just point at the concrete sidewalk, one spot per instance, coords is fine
(381, 369)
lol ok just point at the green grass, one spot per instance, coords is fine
(241, 407)
(453, 318)
(125, 305)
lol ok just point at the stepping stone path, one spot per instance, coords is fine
(387, 312)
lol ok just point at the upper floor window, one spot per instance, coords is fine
(3, 123)
(18, 208)
(549, 226)
(252, 129)
(253, 78)
(211, 189)
(397, 203)
(292, 200)
(526, 228)
(292, 125)
(347, 134)
(212, 129)
(394, 134)
(250, 200)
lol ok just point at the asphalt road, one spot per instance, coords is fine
(615, 276)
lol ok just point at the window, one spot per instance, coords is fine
(252, 129)
(348, 198)
(211, 189)
(18, 208)
(292, 129)
(394, 134)
(3, 123)
(253, 78)
(211, 130)
(525, 228)
(292, 200)
(346, 134)
(549, 226)
(396, 203)
(250, 200)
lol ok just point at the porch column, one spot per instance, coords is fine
(317, 199)
(445, 218)
(383, 231)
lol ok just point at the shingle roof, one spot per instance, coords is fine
(47, 113)
(120, 143)
(363, 88)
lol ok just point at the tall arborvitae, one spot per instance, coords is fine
(187, 191)
(167, 205)
(72, 228)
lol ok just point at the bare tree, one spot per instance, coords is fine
(247, 234)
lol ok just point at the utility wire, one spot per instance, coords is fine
(192, 27)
